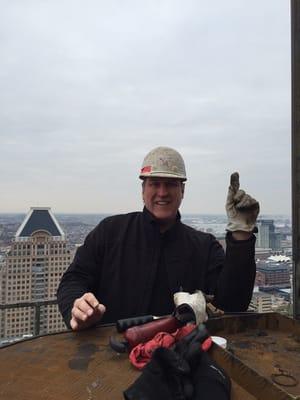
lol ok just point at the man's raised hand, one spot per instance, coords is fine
(242, 209)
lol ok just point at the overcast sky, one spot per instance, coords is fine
(87, 88)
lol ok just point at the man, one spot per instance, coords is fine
(132, 264)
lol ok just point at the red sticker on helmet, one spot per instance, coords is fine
(146, 169)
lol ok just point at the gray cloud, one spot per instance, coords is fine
(86, 89)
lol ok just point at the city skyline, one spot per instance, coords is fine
(87, 91)
(36, 250)
(77, 226)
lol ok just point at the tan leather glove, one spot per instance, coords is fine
(196, 301)
(242, 210)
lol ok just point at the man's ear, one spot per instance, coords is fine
(143, 190)
(182, 189)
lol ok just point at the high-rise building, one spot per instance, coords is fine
(265, 228)
(266, 237)
(31, 271)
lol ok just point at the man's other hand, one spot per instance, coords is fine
(242, 209)
(86, 311)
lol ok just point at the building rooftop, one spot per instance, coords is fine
(39, 219)
(272, 266)
(279, 258)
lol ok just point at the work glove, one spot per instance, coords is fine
(195, 303)
(208, 380)
(242, 209)
(163, 378)
(168, 375)
(185, 372)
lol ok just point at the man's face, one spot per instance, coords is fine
(162, 197)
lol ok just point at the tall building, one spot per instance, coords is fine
(265, 228)
(266, 237)
(31, 272)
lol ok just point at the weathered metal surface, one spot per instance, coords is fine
(65, 366)
(261, 348)
(295, 31)
(75, 366)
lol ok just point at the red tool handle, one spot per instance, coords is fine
(143, 333)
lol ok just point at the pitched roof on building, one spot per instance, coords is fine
(39, 219)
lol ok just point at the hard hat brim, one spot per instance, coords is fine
(158, 174)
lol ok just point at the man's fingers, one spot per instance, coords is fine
(74, 324)
(239, 195)
(235, 181)
(82, 305)
(232, 190)
(90, 299)
(86, 309)
(78, 314)
(81, 320)
(100, 308)
(242, 209)
(247, 202)
(90, 304)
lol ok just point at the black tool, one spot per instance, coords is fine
(123, 324)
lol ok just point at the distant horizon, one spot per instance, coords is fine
(115, 213)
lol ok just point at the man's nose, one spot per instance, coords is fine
(162, 190)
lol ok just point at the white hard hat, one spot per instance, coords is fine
(163, 162)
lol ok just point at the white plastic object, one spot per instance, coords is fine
(220, 341)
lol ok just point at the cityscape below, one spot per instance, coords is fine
(36, 249)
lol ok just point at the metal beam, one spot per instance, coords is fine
(295, 33)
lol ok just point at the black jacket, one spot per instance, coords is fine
(119, 258)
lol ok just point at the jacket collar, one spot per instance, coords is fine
(150, 220)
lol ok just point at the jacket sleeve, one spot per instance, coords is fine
(83, 274)
(231, 279)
